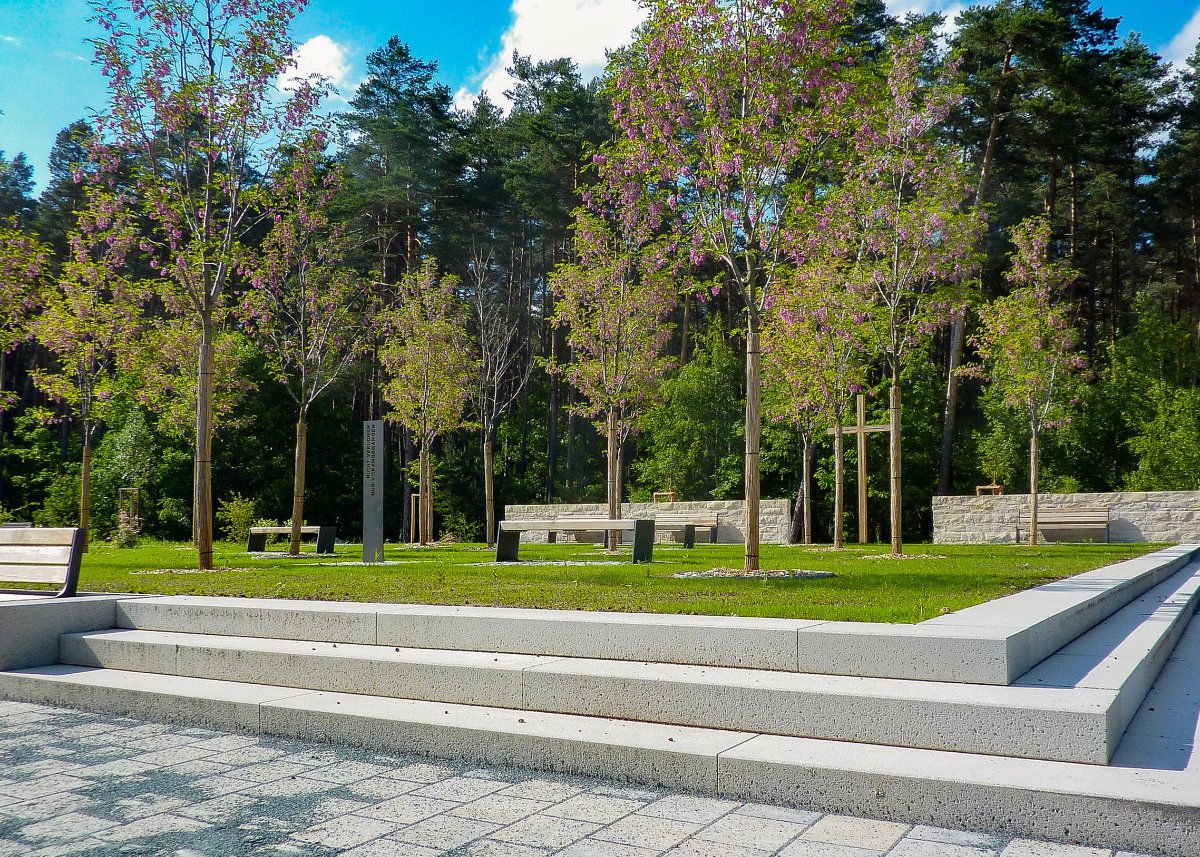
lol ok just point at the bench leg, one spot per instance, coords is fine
(643, 540)
(326, 536)
(256, 543)
(689, 535)
(508, 543)
(551, 537)
(712, 535)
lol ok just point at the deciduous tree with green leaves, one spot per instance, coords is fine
(23, 261)
(431, 367)
(1027, 344)
(614, 303)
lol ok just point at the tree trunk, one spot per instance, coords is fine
(85, 489)
(894, 467)
(613, 463)
(1033, 485)
(810, 454)
(753, 439)
(298, 483)
(946, 465)
(489, 488)
(839, 478)
(552, 424)
(426, 501)
(203, 476)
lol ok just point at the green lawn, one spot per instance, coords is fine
(867, 587)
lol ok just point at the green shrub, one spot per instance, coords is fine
(235, 517)
(5, 515)
(175, 518)
(458, 524)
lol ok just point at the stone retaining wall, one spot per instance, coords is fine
(1134, 516)
(775, 517)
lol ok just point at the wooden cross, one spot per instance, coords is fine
(861, 429)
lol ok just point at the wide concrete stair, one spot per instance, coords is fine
(1004, 716)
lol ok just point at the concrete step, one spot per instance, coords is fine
(1135, 808)
(1073, 708)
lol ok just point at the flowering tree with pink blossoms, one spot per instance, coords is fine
(898, 226)
(431, 367)
(196, 113)
(89, 318)
(816, 345)
(726, 110)
(614, 302)
(306, 303)
(1027, 344)
(23, 261)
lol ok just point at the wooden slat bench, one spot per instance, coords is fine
(688, 522)
(257, 541)
(1076, 520)
(508, 536)
(40, 555)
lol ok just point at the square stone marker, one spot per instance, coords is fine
(460, 789)
(500, 808)
(445, 832)
(593, 807)
(766, 834)
(346, 831)
(647, 831)
(698, 810)
(544, 831)
(1029, 848)
(925, 848)
(409, 809)
(862, 833)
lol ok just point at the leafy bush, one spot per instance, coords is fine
(5, 515)
(235, 517)
(458, 524)
(175, 518)
(61, 508)
(128, 531)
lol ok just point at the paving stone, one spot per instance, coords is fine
(172, 756)
(856, 832)
(547, 790)
(269, 772)
(72, 825)
(67, 849)
(492, 848)
(927, 848)
(705, 848)
(699, 810)
(391, 848)
(808, 848)
(500, 808)
(381, 788)
(594, 848)
(460, 789)
(199, 768)
(155, 825)
(546, 831)
(47, 807)
(445, 831)
(346, 831)
(594, 807)
(143, 805)
(409, 809)
(1030, 848)
(957, 837)
(44, 786)
(246, 756)
(766, 834)
(647, 831)
(331, 807)
(220, 809)
(422, 773)
(345, 773)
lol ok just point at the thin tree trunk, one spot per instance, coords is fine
(753, 440)
(1033, 484)
(298, 483)
(894, 467)
(85, 489)
(426, 494)
(946, 465)
(839, 478)
(613, 464)
(203, 480)
(810, 451)
(489, 488)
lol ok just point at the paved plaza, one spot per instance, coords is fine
(79, 783)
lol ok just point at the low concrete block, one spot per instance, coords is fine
(332, 621)
(30, 630)
(671, 756)
(716, 640)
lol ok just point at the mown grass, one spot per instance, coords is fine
(868, 587)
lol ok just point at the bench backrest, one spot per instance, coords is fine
(1069, 516)
(680, 520)
(567, 524)
(41, 555)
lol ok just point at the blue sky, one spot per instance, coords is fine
(48, 81)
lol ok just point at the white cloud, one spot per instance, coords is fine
(320, 55)
(950, 10)
(10, 40)
(548, 29)
(1181, 47)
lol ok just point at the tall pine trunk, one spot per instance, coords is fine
(806, 467)
(203, 463)
(614, 480)
(895, 469)
(753, 438)
(1034, 466)
(85, 489)
(839, 478)
(298, 482)
(489, 488)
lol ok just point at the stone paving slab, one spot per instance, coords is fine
(76, 783)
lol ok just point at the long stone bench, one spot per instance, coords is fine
(326, 537)
(687, 524)
(508, 537)
(1085, 522)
